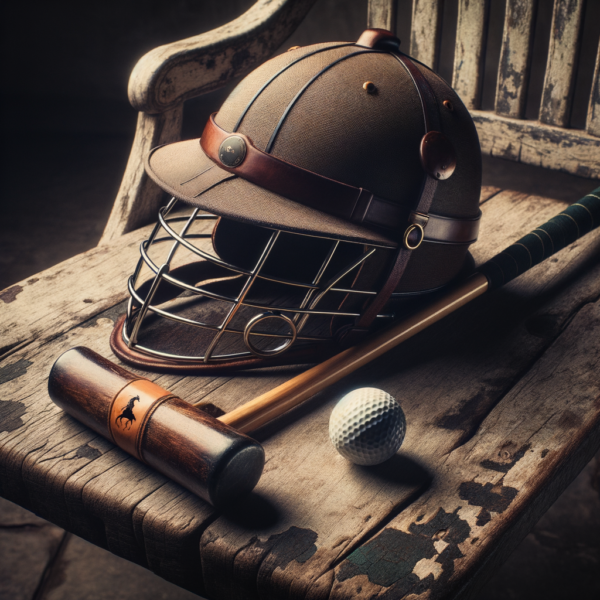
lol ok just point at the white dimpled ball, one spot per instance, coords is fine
(367, 426)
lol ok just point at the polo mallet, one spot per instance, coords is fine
(213, 457)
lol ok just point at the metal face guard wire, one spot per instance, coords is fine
(140, 306)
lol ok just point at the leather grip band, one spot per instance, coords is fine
(130, 412)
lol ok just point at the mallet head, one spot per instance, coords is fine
(209, 458)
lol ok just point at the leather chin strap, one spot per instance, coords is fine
(236, 153)
(438, 160)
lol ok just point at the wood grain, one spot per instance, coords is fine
(469, 53)
(538, 437)
(71, 293)
(426, 33)
(515, 58)
(170, 74)
(529, 142)
(592, 125)
(381, 14)
(561, 66)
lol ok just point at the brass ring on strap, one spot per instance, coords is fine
(409, 230)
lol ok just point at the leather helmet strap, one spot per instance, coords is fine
(328, 195)
(432, 123)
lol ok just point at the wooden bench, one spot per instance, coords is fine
(502, 399)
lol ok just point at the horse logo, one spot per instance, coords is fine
(127, 414)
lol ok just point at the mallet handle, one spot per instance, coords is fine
(563, 229)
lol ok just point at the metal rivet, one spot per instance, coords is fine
(369, 86)
(448, 105)
(232, 151)
(293, 48)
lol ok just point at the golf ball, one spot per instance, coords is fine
(367, 426)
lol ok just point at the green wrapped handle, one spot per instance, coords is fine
(544, 241)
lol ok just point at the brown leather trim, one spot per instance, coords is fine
(130, 412)
(293, 356)
(339, 199)
(460, 231)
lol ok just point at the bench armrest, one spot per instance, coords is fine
(170, 74)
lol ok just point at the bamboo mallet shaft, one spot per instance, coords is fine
(563, 229)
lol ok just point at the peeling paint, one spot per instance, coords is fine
(86, 451)
(394, 558)
(491, 498)
(10, 294)
(10, 415)
(507, 459)
(16, 369)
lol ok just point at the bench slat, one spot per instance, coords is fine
(561, 66)
(469, 53)
(569, 150)
(55, 466)
(515, 58)
(381, 14)
(592, 125)
(426, 31)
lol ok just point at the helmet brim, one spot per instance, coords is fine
(184, 171)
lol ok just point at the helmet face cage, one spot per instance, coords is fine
(220, 310)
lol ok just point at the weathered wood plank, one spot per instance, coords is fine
(515, 58)
(592, 125)
(532, 143)
(561, 68)
(170, 74)
(139, 198)
(448, 380)
(54, 465)
(381, 14)
(469, 53)
(44, 306)
(489, 492)
(426, 33)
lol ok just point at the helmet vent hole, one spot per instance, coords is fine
(448, 105)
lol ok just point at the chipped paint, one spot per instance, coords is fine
(410, 562)
(16, 369)
(491, 498)
(507, 458)
(10, 294)
(10, 415)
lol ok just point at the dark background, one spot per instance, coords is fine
(67, 128)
